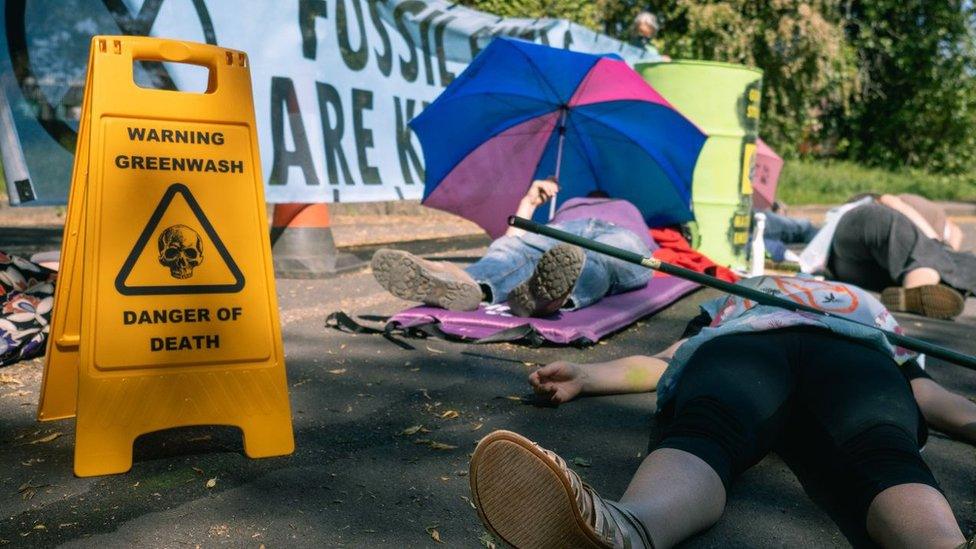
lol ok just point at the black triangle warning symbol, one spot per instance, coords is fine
(182, 260)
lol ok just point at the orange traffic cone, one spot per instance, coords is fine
(302, 244)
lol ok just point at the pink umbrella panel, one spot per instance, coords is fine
(765, 176)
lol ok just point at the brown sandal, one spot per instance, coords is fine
(528, 498)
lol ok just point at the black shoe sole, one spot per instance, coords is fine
(551, 283)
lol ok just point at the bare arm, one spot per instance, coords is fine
(564, 381)
(911, 213)
(944, 410)
(539, 193)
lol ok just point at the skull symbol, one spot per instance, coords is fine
(180, 249)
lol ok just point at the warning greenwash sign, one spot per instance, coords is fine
(335, 82)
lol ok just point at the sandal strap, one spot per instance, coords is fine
(616, 526)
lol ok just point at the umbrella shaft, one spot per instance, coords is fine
(763, 298)
(559, 160)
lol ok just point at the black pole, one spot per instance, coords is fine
(914, 344)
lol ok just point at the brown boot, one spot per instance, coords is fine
(550, 284)
(440, 284)
(528, 498)
(933, 301)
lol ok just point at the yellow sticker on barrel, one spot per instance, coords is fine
(174, 285)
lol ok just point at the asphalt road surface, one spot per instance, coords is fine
(383, 438)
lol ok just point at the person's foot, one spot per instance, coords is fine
(934, 300)
(550, 284)
(440, 284)
(528, 498)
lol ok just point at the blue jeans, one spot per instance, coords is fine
(510, 260)
(788, 230)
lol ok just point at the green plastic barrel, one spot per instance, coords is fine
(723, 100)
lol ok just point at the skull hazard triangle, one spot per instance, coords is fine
(165, 311)
(179, 252)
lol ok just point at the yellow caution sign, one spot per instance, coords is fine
(165, 313)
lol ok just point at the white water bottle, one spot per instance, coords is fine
(758, 252)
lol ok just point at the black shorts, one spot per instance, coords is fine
(742, 395)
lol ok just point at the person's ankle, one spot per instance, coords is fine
(486, 294)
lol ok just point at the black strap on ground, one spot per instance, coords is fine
(912, 343)
(339, 320)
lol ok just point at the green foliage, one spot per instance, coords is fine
(584, 12)
(807, 66)
(918, 103)
(831, 182)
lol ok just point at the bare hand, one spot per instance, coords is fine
(540, 191)
(559, 382)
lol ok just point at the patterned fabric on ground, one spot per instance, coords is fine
(26, 299)
(733, 315)
(675, 249)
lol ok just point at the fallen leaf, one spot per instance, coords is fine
(300, 383)
(212, 482)
(450, 414)
(514, 397)
(582, 462)
(7, 379)
(441, 446)
(16, 394)
(47, 438)
(445, 479)
(487, 541)
(434, 444)
(434, 534)
(412, 430)
(197, 470)
(337, 371)
(433, 350)
(40, 527)
(477, 426)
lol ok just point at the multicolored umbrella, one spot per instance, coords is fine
(523, 111)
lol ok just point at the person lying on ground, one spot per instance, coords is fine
(536, 275)
(782, 230)
(904, 247)
(743, 380)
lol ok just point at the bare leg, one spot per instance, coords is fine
(944, 410)
(913, 515)
(922, 276)
(675, 494)
(955, 236)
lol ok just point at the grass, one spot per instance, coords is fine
(831, 182)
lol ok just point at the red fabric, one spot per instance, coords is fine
(675, 249)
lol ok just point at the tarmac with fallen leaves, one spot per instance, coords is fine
(383, 438)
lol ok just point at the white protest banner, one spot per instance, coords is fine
(335, 82)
